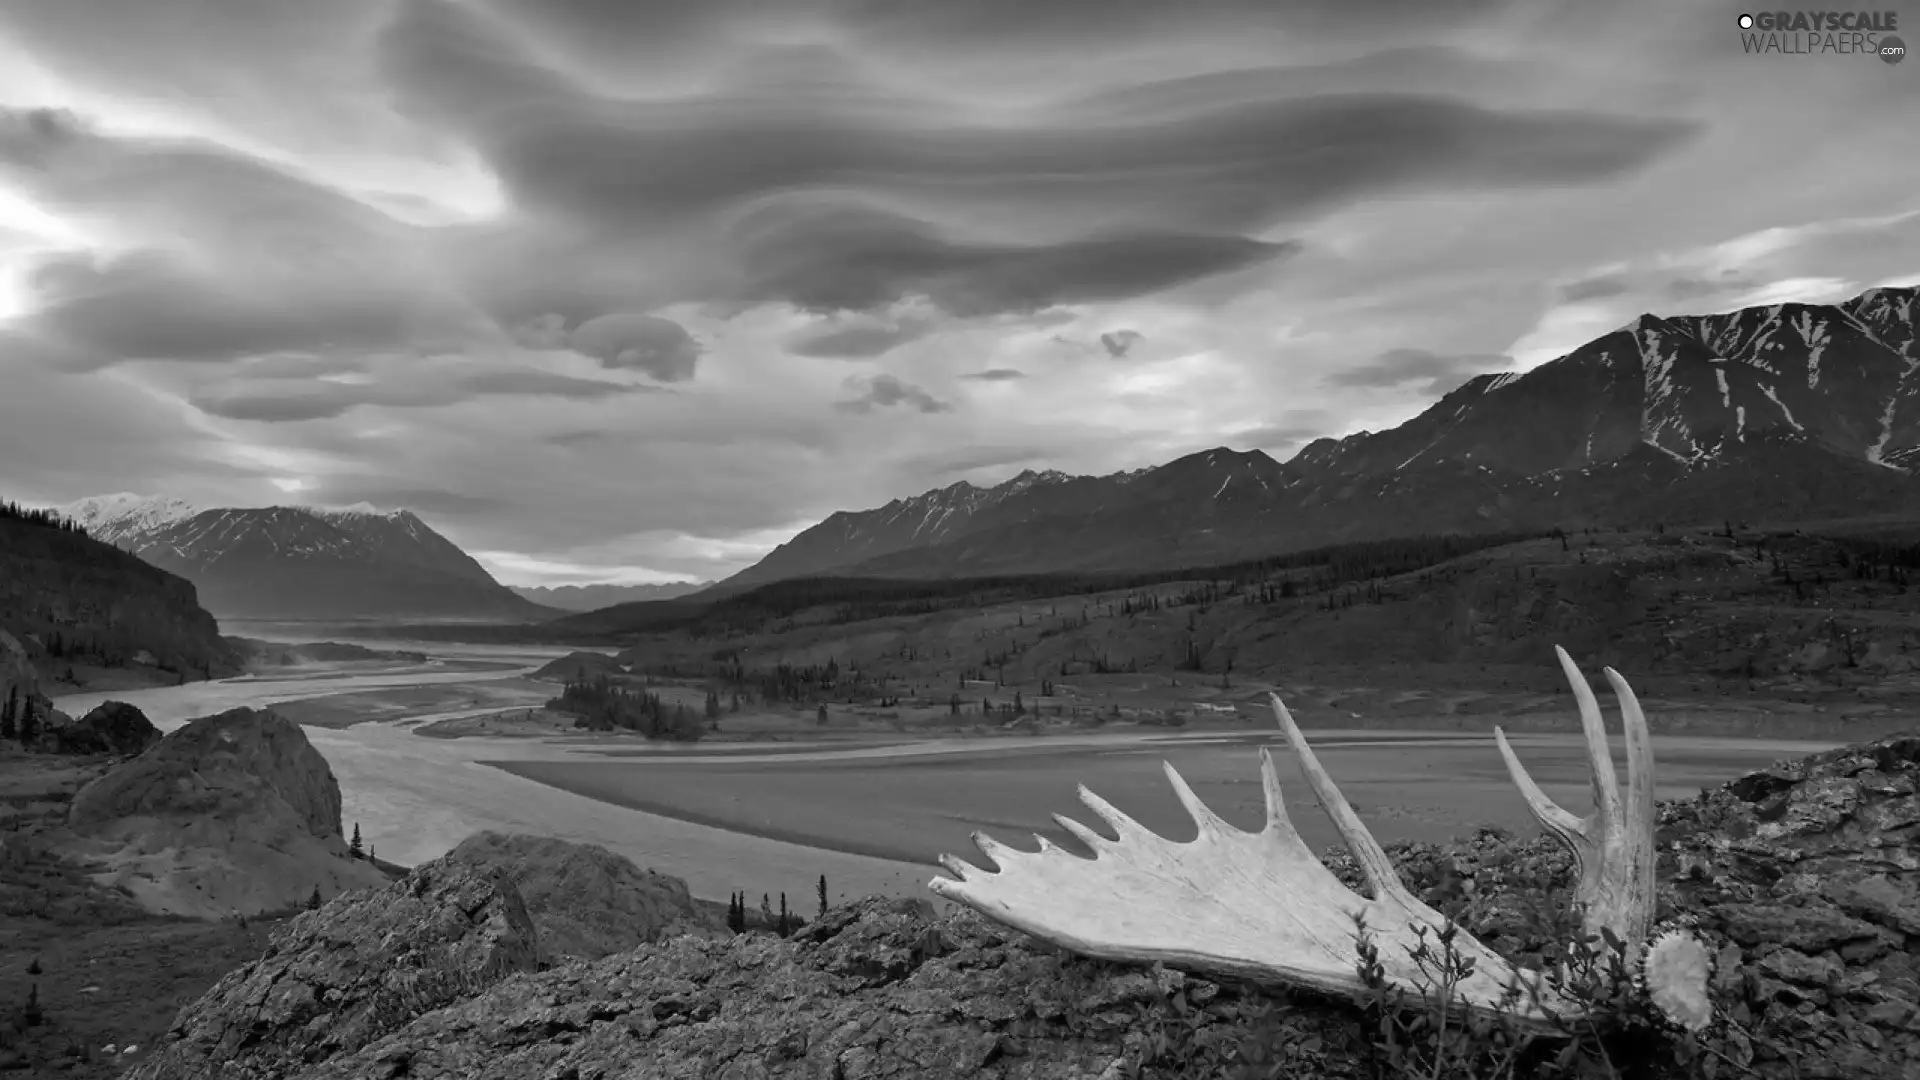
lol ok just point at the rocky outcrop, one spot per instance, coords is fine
(586, 901)
(18, 679)
(233, 812)
(1810, 873)
(336, 979)
(113, 727)
(1801, 877)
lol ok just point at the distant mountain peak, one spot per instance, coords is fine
(301, 560)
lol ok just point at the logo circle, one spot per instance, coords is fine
(1892, 50)
(1746, 22)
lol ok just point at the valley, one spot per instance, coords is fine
(893, 681)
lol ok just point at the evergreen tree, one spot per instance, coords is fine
(353, 847)
(28, 724)
(313, 902)
(823, 894)
(783, 929)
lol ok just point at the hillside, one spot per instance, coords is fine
(1821, 623)
(299, 562)
(1783, 414)
(87, 610)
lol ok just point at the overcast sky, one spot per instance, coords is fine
(612, 290)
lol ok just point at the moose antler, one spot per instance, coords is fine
(1613, 846)
(1260, 906)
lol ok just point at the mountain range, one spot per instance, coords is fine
(300, 562)
(1789, 412)
(595, 597)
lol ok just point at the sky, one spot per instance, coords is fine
(634, 290)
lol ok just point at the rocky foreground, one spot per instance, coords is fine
(1804, 877)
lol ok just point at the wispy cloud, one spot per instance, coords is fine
(524, 260)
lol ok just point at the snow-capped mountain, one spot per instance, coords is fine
(402, 537)
(111, 518)
(301, 562)
(1790, 412)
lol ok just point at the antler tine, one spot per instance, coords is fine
(1606, 786)
(1613, 846)
(1203, 816)
(1635, 894)
(1374, 864)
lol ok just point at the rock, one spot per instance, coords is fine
(237, 764)
(334, 980)
(857, 996)
(17, 674)
(1810, 870)
(19, 680)
(586, 901)
(1793, 877)
(234, 813)
(114, 727)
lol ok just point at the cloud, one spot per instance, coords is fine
(1690, 288)
(831, 186)
(943, 463)
(288, 400)
(1436, 373)
(444, 253)
(659, 347)
(1290, 430)
(887, 391)
(826, 257)
(1593, 288)
(212, 254)
(858, 340)
(427, 500)
(1117, 342)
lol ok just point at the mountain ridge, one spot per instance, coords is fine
(582, 598)
(1782, 411)
(299, 561)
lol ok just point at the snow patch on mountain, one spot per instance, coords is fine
(1781, 405)
(1814, 333)
(122, 515)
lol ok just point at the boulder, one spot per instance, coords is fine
(234, 813)
(586, 901)
(114, 727)
(238, 765)
(19, 680)
(336, 979)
